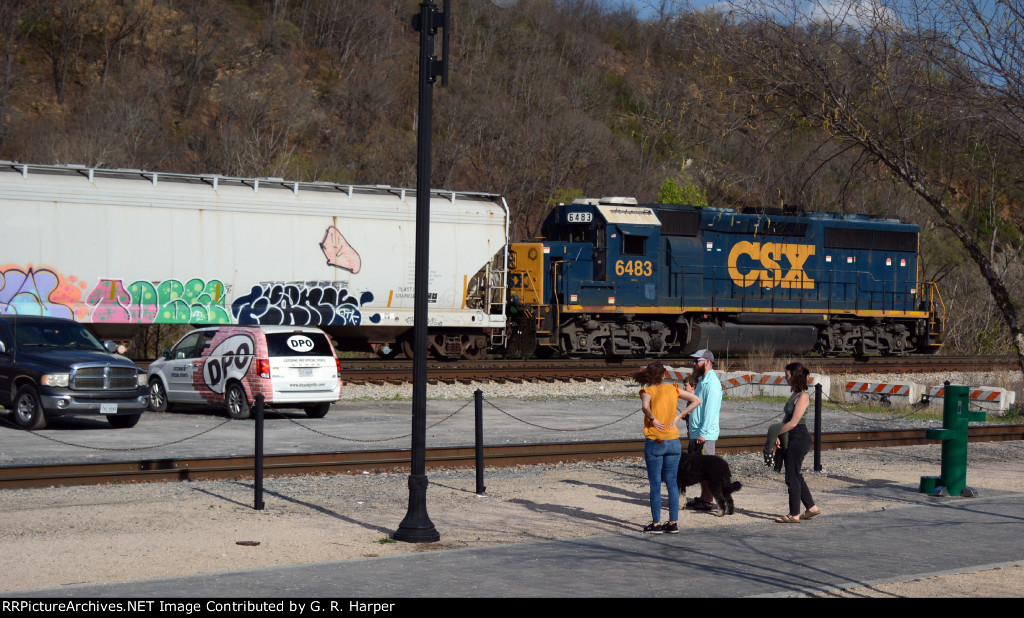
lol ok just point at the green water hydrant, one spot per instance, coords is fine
(955, 417)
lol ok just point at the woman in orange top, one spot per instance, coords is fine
(662, 448)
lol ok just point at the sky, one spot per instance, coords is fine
(845, 10)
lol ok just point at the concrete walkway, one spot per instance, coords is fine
(921, 537)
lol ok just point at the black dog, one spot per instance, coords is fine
(711, 468)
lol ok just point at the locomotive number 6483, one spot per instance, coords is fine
(637, 268)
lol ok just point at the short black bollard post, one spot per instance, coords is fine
(817, 427)
(478, 397)
(258, 470)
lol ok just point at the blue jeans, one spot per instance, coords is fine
(663, 466)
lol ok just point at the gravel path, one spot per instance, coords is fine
(116, 533)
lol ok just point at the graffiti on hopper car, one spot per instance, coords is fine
(38, 291)
(313, 303)
(159, 302)
(339, 252)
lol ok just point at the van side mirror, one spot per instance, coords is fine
(166, 354)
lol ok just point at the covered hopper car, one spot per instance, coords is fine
(613, 278)
(120, 249)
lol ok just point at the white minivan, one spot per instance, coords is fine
(292, 366)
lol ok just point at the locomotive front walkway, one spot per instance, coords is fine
(922, 536)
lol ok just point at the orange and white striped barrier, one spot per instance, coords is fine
(747, 384)
(774, 384)
(988, 398)
(897, 392)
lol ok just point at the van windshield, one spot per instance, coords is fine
(298, 344)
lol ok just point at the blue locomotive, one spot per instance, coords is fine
(615, 278)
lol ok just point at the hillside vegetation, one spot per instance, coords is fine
(556, 99)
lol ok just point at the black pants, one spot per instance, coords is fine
(799, 444)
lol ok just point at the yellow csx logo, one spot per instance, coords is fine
(771, 273)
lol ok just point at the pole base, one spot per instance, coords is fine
(417, 527)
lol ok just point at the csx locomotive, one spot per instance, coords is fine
(611, 277)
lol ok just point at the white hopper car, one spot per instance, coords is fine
(119, 249)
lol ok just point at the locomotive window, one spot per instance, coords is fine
(844, 238)
(632, 244)
(675, 223)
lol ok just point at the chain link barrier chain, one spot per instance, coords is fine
(404, 435)
(837, 404)
(111, 448)
(512, 416)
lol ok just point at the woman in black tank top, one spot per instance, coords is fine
(795, 424)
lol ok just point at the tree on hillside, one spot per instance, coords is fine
(910, 91)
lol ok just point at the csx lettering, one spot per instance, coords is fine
(637, 268)
(772, 274)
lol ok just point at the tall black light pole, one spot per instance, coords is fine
(417, 527)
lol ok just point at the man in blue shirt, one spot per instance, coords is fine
(703, 421)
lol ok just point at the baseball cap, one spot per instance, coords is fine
(705, 353)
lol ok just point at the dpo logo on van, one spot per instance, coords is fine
(300, 343)
(230, 359)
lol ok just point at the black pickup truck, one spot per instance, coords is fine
(52, 367)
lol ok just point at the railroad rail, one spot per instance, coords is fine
(221, 468)
(375, 371)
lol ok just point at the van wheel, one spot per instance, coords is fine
(124, 421)
(157, 396)
(317, 411)
(28, 412)
(235, 401)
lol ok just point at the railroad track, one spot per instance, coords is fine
(375, 371)
(379, 371)
(219, 468)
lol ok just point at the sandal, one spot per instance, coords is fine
(788, 519)
(809, 513)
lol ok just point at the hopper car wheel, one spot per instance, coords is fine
(407, 347)
(473, 353)
(235, 402)
(318, 410)
(28, 412)
(158, 396)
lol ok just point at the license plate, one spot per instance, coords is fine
(305, 372)
(108, 408)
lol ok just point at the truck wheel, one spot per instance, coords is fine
(124, 421)
(28, 412)
(158, 396)
(318, 410)
(235, 401)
